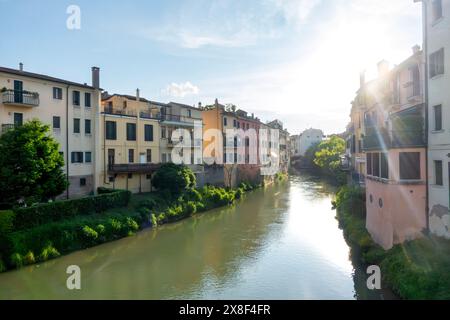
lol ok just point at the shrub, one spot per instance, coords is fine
(16, 260)
(2, 266)
(154, 220)
(29, 258)
(89, 235)
(49, 252)
(190, 208)
(174, 178)
(103, 190)
(60, 210)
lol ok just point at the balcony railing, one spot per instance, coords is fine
(24, 98)
(144, 168)
(150, 115)
(7, 127)
(382, 139)
(120, 112)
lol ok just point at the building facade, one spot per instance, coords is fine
(436, 16)
(71, 109)
(129, 138)
(395, 146)
(308, 138)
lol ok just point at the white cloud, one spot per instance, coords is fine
(180, 90)
(232, 23)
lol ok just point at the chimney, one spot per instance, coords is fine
(199, 105)
(383, 68)
(138, 95)
(416, 49)
(362, 79)
(21, 66)
(96, 77)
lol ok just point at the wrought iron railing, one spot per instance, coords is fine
(20, 97)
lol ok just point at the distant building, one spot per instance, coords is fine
(307, 139)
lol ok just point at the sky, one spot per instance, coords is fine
(294, 60)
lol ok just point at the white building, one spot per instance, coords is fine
(307, 139)
(71, 109)
(436, 14)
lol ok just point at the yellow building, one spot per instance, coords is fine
(129, 140)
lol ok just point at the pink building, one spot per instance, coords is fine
(395, 147)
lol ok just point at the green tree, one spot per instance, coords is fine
(174, 178)
(328, 157)
(30, 165)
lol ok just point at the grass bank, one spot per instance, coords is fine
(417, 269)
(40, 233)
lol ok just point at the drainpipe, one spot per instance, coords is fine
(67, 140)
(425, 53)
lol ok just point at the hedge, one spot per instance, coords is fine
(34, 216)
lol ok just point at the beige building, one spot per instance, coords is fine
(129, 142)
(70, 109)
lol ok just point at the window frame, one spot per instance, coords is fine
(76, 125)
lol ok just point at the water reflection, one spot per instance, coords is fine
(278, 243)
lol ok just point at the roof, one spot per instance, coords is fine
(183, 105)
(43, 77)
(126, 96)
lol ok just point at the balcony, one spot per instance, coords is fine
(150, 115)
(178, 120)
(144, 168)
(120, 112)
(376, 139)
(20, 98)
(7, 127)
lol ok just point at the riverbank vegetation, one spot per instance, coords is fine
(325, 159)
(37, 233)
(417, 269)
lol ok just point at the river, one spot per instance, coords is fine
(281, 242)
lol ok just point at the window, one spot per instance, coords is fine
(163, 158)
(18, 119)
(131, 131)
(56, 122)
(239, 125)
(76, 98)
(437, 118)
(189, 113)
(369, 164)
(410, 166)
(111, 179)
(111, 130)
(130, 155)
(376, 164)
(437, 63)
(87, 126)
(384, 166)
(82, 182)
(234, 123)
(148, 132)
(130, 176)
(436, 10)
(438, 175)
(415, 78)
(76, 125)
(149, 155)
(87, 99)
(225, 121)
(163, 132)
(57, 93)
(88, 157)
(77, 157)
(149, 177)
